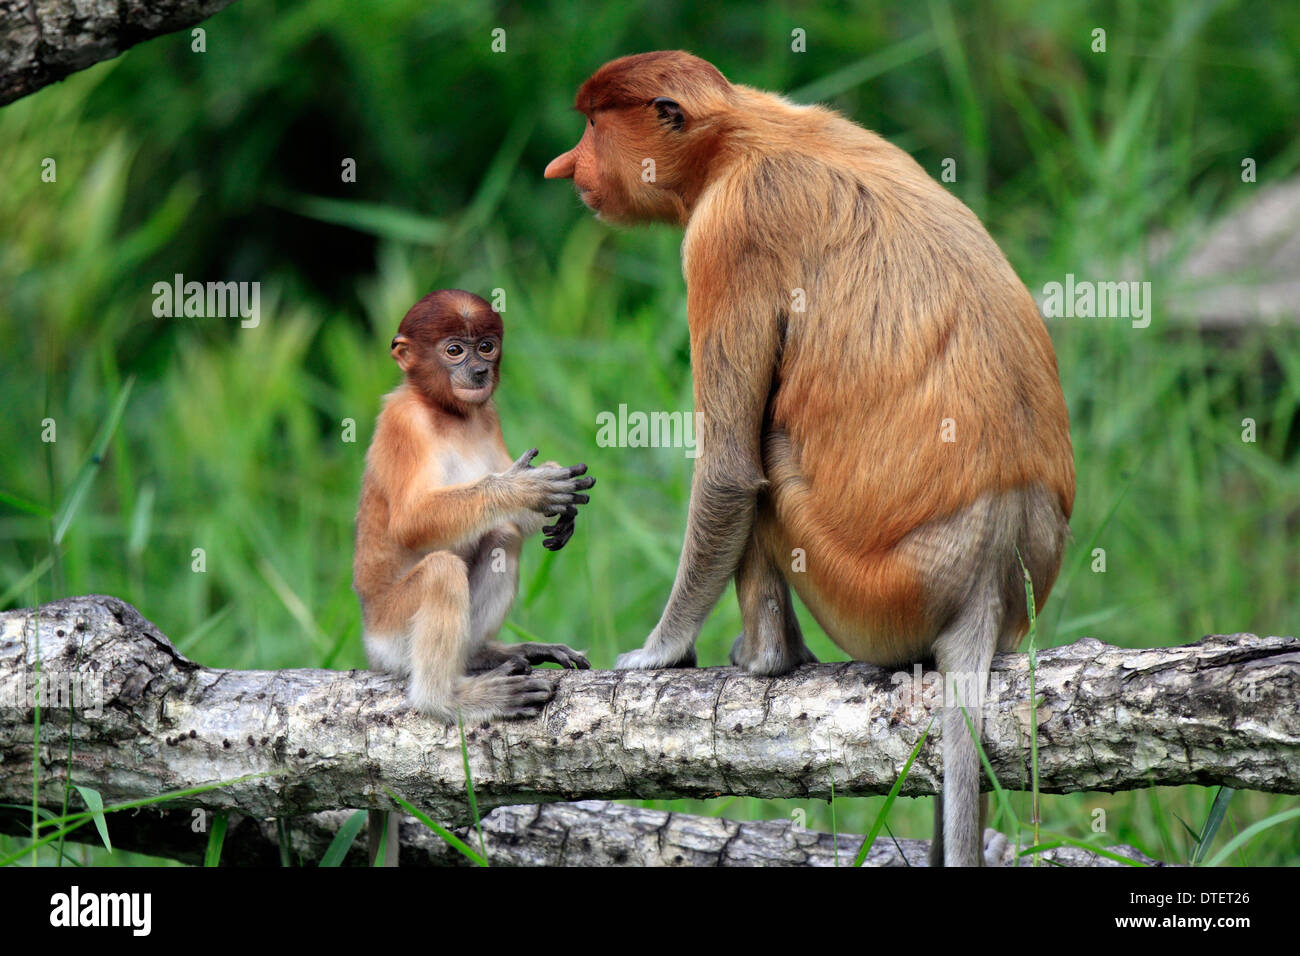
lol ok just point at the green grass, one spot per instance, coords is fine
(225, 166)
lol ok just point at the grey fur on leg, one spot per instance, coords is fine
(771, 642)
(718, 525)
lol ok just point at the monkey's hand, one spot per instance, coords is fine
(551, 490)
(659, 651)
(555, 536)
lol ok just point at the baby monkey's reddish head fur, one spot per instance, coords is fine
(449, 346)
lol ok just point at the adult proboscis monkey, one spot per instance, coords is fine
(877, 390)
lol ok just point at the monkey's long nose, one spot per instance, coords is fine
(561, 167)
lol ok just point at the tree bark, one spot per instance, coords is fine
(551, 834)
(1221, 711)
(42, 41)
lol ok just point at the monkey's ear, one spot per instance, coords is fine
(400, 349)
(669, 112)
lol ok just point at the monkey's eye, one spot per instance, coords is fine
(591, 121)
(487, 348)
(454, 350)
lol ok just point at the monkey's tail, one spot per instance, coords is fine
(963, 653)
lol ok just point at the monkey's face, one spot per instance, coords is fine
(453, 372)
(580, 164)
(470, 366)
(654, 126)
(616, 167)
(449, 346)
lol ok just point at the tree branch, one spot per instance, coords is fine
(551, 834)
(1221, 711)
(43, 41)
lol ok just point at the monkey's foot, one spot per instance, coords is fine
(560, 654)
(995, 849)
(499, 664)
(505, 695)
(514, 664)
(655, 657)
(769, 659)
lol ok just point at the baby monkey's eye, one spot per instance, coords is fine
(487, 348)
(454, 350)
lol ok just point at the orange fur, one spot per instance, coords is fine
(913, 316)
(442, 517)
(844, 310)
(410, 505)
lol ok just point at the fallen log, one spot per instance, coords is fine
(286, 743)
(589, 833)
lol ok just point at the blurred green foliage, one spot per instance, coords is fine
(225, 165)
